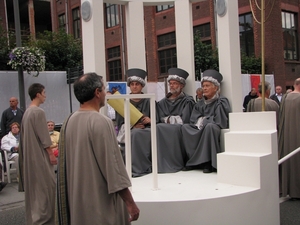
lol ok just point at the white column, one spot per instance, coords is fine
(93, 43)
(229, 55)
(135, 35)
(185, 42)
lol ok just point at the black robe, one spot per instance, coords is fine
(170, 154)
(203, 145)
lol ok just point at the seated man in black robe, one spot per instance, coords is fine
(173, 111)
(201, 138)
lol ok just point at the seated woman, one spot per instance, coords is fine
(54, 135)
(10, 143)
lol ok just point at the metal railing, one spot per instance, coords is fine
(127, 98)
(288, 156)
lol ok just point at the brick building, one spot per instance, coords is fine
(281, 35)
(35, 16)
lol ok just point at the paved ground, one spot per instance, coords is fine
(12, 208)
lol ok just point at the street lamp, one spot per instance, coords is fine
(19, 44)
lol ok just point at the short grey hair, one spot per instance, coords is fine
(267, 87)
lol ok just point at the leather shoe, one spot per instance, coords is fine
(208, 168)
(187, 168)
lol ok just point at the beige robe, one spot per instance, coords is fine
(39, 177)
(289, 140)
(95, 171)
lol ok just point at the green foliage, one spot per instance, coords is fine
(250, 64)
(205, 56)
(62, 51)
(32, 59)
(5, 47)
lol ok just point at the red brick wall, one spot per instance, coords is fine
(203, 12)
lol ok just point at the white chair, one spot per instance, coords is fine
(8, 166)
(1, 162)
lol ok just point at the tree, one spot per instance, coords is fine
(62, 50)
(250, 64)
(205, 56)
(5, 46)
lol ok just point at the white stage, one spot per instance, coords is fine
(244, 191)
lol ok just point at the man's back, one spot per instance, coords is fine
(95, 170)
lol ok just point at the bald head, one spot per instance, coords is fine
(297, 85)
(13, 102)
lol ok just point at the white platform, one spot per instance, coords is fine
(244, 191)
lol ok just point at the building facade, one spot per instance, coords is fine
(281, 35)
(35, 16)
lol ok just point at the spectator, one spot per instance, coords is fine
(288, 91)
(278, 95)
(10, 115)
(54, 136)
(10, 143)
(255, 105)
(289, 129)
(199, 94)
(88, 137)
(201, 138)
(252, 94)
(38, 161)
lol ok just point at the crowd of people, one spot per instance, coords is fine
(188, 138)
(287, 108)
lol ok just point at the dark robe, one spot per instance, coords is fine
(140, 141)
(203, 145)
(289, 130)
(170, 153)
(8, 118)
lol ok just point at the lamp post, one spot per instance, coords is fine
(19, 44)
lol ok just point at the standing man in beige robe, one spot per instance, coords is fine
(92, 180)
(289, 129)
(38, 161)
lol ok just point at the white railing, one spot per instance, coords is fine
(288, 156)
(127, 98)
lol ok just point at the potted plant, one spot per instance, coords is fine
(32, 59)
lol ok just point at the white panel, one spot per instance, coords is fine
(57, 104)
(252, 121)
(255, 142)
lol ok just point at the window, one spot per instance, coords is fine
(246, 34)
(62, 21)
(167, 52)
(114, 64)
(290, 37)
(112, 15)
(160, 8)
(76, 23)
(204, 31)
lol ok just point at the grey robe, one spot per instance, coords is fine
(289, 140)
(203, 145)
(140, 141)
(39, 177)
(170, 152)
(95, 171)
